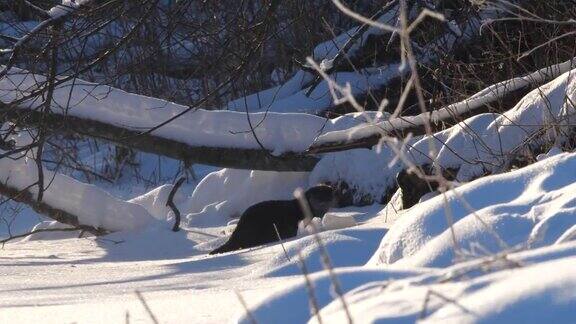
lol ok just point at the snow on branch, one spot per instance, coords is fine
(66, 8)
(368, 135)
(55, 16)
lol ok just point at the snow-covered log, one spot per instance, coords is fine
(239, 158)
(369, 135)
(59, 215)
(65, 199)
(76, 204)
(264, 141)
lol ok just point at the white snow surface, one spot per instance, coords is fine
(530, 207)
(474, 254)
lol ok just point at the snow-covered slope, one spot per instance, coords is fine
(518, 226)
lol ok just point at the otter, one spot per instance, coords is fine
(264, 221)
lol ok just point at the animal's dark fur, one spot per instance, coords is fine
(413, 187)
(256, 225)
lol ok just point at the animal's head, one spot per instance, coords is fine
(321, 198)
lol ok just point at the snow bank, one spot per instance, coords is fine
(295, 297)
(530, 207)
(522, 296)
(345, 247)
(512, 234)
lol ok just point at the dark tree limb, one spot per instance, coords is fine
(170, 203)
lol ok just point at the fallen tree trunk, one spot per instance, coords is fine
(238, 158)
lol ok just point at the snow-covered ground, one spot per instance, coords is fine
(510, 258)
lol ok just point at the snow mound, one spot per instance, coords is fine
(518, 226)
(225, 194)
(364, 171)
(522, 296)
(345, 247)
(155, 202)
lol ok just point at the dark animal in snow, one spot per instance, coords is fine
(263, 222)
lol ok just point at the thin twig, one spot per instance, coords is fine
(325, 257)
(281, 242)
(312, 299)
